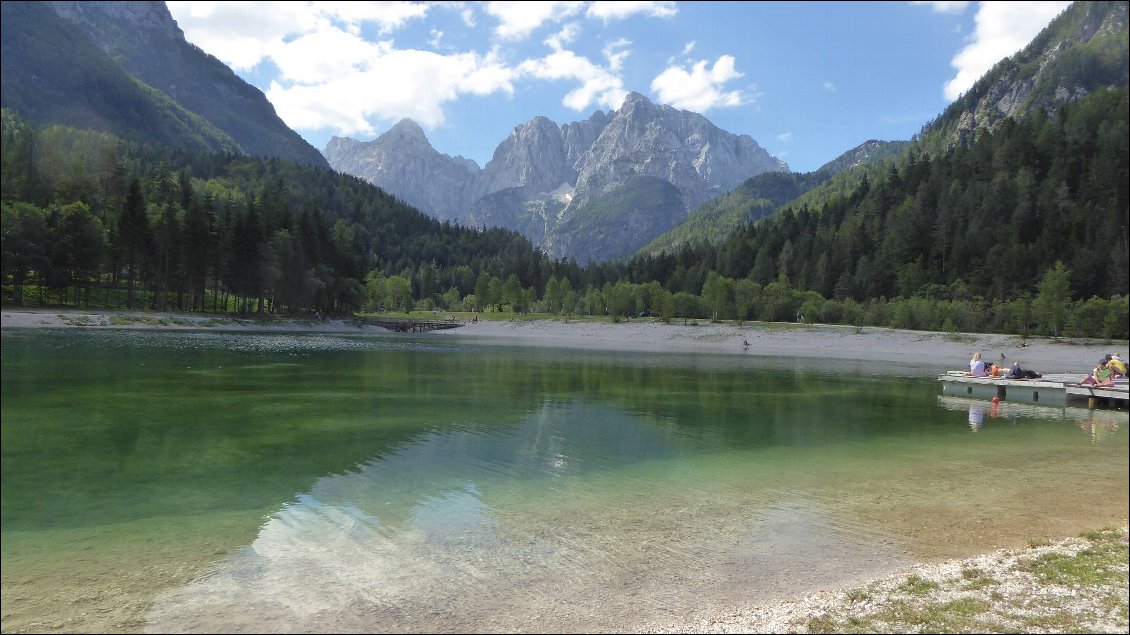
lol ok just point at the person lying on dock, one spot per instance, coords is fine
(1019, 373)
(1101, 377)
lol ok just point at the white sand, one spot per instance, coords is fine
(868, 344)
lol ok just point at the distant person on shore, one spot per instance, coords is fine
(1101, 377)
(977, 366)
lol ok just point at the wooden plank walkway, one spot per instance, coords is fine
(411, 325)
(1052, 387)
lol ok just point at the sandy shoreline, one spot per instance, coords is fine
(940, 351)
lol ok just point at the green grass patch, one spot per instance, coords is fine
(1094, 565)
(976, 579)
(915, 585)
(822, 624)
(961, 338)
(78, 320)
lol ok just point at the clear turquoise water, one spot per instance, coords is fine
(230, 482)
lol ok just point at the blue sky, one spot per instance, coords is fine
(806, 80)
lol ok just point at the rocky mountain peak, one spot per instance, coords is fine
(634, 100)
(403, 163)
(533, 158)
(406, 132)
(1045, 74)
(545, 180)
(643, 139)
(141, 15)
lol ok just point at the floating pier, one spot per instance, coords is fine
(1052, 389)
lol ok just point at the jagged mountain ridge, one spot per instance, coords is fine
(543, 174)
(435, 183)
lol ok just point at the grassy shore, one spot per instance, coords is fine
(1077, 585)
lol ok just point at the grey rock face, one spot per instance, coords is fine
(578, 137)
(542, 174)
(142, 15)
(403, 163)
(533, 158)
(681, 147)
(1021, 82)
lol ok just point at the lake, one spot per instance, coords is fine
(229, 482)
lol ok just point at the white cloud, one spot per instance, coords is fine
(468, 16)
(829, 86)
(944, 6)
(699, 89)
(1003, 28)
(622, 9)
(785, 137)
(331, 78)
(242, 34)
(567, 34)
(599, 86)
(328, 54)
(347, 102)
(435, 38)
(388, 16)
(615, 53)
(518, 20)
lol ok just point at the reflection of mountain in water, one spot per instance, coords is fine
(558, 522)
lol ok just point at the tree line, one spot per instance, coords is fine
(1021, 230)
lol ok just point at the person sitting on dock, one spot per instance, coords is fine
(1116, 365)
(1101, 377)
(977, 366)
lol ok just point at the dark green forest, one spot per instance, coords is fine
(1020, 230)
(86, 215)
(981, 224)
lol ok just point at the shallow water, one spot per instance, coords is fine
(230, 482)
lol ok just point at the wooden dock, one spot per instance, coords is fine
(1052, 388)
(411, 325)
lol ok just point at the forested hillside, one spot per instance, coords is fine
(761, 195)
(52, 73)
(983, 223)
(1016, 223)
(125, 68)
(87, 213)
